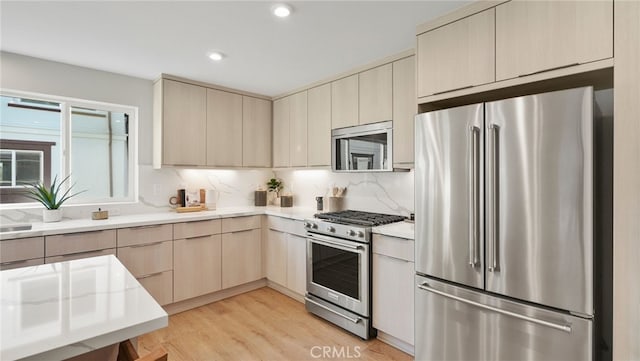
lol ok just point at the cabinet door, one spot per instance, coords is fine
(534, 36)
(224, 129)
(276, 257)
(256, 132)
(159, 286)
(298, 104)
(375, 94)
(184, 123)
(197, 266)
(344, 102)
(393, 304)
(281, 131)
(241, 257)
(297, 264)
(404, 110)
(458, 55)
(319, 126)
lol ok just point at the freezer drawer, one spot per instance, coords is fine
(454, 323)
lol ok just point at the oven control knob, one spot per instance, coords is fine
(307, 224)
(314, 225)
(351, 233)
(360, 234)
(331, 229)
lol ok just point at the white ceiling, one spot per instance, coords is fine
(265, 54)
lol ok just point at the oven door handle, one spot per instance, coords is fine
(352, 319)
(331, 243)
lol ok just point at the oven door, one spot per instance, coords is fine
(338, 272)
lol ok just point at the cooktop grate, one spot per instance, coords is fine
(360, 218)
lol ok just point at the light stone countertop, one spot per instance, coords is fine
(399, 229)
(136, 220)
(60, 310)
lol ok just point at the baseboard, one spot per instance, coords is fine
(396, 342)
(185, 305)
(285, 291)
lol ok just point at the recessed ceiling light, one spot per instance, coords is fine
(281, 10)
(216, 56)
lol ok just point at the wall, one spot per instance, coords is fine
(377, 192)
(381, 192)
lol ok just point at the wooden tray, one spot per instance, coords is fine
(191, 209)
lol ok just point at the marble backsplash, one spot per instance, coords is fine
(375, 192)
(383, 192)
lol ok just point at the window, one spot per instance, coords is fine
(45, 137)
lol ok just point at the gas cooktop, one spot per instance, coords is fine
(361, 218)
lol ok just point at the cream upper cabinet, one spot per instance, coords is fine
(535, 36)
(319, 126)
(458, 55)
(184, 118)
(256, 132)
(375, 94)
(404, 110)
(298, 119)
(344, 102)
(224, 129)
(281, 133)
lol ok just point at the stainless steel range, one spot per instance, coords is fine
(339, 267)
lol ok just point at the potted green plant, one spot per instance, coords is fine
(51, 198)
(274, 186)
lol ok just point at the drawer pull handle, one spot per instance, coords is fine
(196, 237)
(149, 275)
(145, 245)
(146, 227)
(13, 262)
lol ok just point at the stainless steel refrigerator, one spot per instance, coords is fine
(504, 229)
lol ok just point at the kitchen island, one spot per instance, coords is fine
(61, 310)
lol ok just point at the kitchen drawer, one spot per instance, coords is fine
(147, 259)
(21, 249)
(400, 248)
(64, 244)
(159, 286)
(80, 255)
(196, 229)
(287, 225)
(236, 224)
(144, 234)
(21, 263)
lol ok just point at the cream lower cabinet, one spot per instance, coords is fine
(21, 252)
(198, 266)
(67, 247)
(536, 36)
(241, 250)
(275, 257)
(296, 264)
(393, 271)
(147, 252)
(286, 254)
(197, 248)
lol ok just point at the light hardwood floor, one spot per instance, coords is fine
(260, 325)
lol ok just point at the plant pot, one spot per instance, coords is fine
(51, 215)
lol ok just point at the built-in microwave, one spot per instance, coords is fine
(363, 148)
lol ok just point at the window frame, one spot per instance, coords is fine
(66, 103)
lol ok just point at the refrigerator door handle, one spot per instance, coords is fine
(566, 328)
(474, 194)
(494, 265)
